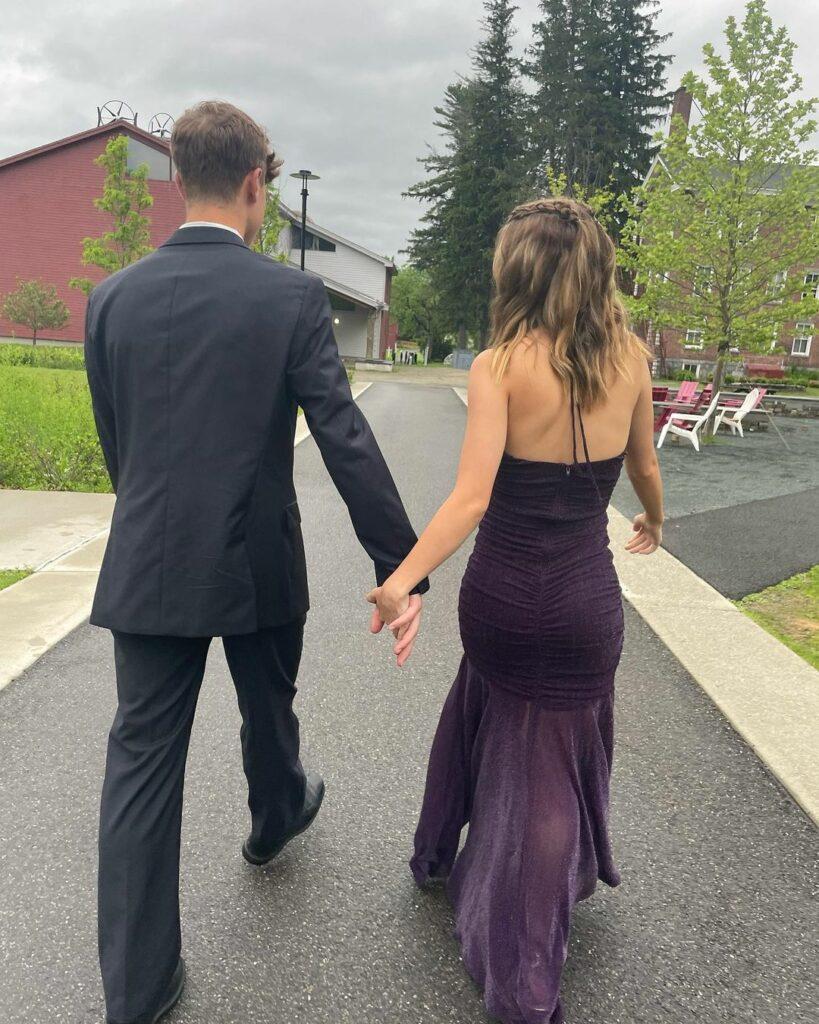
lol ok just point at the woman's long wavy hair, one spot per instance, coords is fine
(554, 268)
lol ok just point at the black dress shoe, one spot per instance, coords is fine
(170, 997)
(312, 802)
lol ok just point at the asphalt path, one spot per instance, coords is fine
(742, 512)
(714, 920)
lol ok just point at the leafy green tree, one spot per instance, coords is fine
(598, 87)
(415, 305)
(719, 232)
(272, 226)
(37, 306)
(125, 196)
(475, 180)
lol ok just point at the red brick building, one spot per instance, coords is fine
(797, 344)
(47, 208)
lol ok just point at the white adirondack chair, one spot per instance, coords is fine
(733, 417)
(688, 424)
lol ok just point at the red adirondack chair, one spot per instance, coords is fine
(683, 400)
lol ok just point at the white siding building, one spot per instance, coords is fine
(357, 281)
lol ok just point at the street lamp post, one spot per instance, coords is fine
(305, 177)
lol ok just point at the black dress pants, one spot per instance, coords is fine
(158, 681)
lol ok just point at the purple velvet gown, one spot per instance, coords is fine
(523, 749)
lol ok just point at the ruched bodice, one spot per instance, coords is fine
(540, 607)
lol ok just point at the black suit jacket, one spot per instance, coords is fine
(197, 358)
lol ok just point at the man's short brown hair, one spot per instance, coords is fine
(214, 146)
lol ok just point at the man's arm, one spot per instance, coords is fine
(316, 378)
(100, 397)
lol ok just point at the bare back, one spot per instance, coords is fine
(540, 420)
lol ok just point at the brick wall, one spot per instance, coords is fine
(47, 208)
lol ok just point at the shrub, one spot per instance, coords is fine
(48, 440)
(54, 357)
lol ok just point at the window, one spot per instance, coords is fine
(311, 241)
(703, 280)
(811, 285)
(693, 339)
(692, 368)
(802, 339)
(778, 283)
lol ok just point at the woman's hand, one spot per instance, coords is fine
(404, 625)
(648, 536)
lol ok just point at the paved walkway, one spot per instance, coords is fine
(713, 921)
(426, 376)
(39, 526)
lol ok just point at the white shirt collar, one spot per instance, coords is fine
(210, 224)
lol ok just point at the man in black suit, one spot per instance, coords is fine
(198, 357)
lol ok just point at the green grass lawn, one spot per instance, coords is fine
(790, 612)
(47, 436)
(9, 576)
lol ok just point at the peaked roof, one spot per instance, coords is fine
(295, 218)
(103, 129)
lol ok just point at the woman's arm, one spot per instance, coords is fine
(644, 471)
(455, 520)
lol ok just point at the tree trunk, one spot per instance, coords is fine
(461, 336)
(34, 336)
(719, 369)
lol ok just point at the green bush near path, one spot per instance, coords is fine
(9, 576)
(790, 612)
(48, 440)
(52, 357)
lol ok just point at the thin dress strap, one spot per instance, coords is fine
(589, 466)
(574, 429)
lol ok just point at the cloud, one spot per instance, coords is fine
(346, 88)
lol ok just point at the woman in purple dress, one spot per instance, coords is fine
(523, 749)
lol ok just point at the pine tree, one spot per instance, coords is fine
(635, 71)
(473, 183)
(599, 86)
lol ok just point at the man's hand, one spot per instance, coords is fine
(402, 615)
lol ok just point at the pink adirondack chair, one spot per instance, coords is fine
(735, 403)
(682, 400)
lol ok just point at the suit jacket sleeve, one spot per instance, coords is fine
(100, 395)
(318, 381)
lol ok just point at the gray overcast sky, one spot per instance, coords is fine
(346, 88)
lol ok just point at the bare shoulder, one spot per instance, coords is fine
(484, 384)
(481, 373)
(639, 357)
(482, 363)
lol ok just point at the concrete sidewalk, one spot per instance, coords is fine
(713, 921)
(37, 527)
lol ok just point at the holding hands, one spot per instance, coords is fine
(401, 612)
